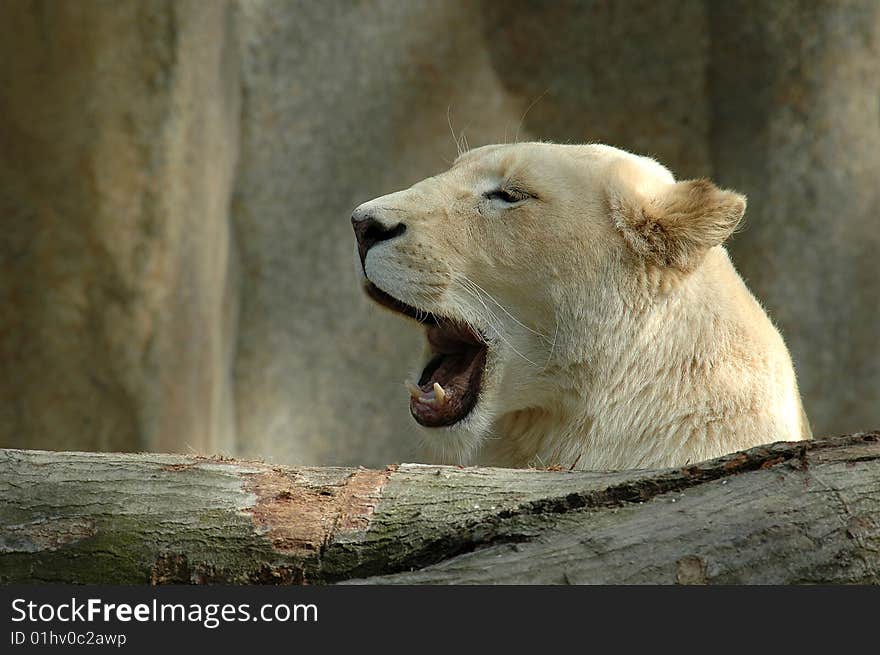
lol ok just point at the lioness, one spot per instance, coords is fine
(580, 312)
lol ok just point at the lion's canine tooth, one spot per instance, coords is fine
(414, 391)
(440, 394)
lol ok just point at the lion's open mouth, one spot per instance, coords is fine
(449, 386)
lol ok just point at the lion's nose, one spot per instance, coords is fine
(369, 231)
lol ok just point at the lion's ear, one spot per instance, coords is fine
(677, 223)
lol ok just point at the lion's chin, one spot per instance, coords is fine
(449, 386)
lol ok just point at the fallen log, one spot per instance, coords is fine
(804, 512)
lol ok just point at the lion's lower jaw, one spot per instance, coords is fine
(459, 444)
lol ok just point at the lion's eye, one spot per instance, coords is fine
(507, 196)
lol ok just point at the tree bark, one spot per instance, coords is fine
(806, 512)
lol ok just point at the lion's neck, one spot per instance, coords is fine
(652, 391)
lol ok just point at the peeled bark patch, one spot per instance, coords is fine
(170, 568)
(690, 570)
(45, 534)
(301, 513)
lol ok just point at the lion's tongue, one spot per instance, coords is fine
(448, 387)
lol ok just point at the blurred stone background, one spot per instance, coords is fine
(177, 269)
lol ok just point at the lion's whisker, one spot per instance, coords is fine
(495, 329)
(503, 309)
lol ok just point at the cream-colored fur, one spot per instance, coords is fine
(620, 334)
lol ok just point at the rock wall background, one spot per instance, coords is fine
(177, 269)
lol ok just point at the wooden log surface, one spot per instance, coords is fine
(805, 512)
